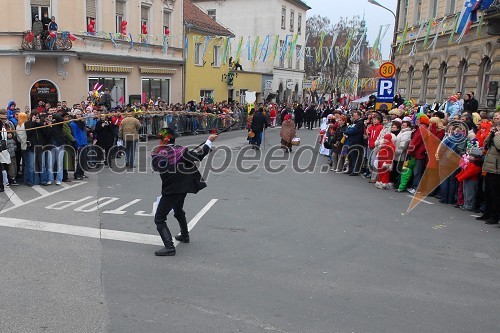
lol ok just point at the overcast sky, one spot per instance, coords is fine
(374, 16)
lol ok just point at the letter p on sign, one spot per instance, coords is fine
(385, 90)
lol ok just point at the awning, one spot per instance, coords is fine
(108, 68)
(364, 99)
(157, 70)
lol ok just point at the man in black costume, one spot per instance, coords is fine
(179, 176)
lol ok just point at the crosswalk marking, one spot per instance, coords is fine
(123, 236)
(17, 202)
(41, 190)
(13, 197)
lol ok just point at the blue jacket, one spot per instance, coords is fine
(80, 135)
(10, 113)
(354, 133)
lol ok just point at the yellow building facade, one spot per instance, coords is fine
(208, 77)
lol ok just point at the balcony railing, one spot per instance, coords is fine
(54, 41)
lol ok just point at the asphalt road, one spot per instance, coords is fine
(276, 252)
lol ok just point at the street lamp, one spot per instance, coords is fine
(373, 2)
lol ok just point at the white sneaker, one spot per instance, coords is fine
(412, 191)
(379, 185)
(58, 183)
(49, 183)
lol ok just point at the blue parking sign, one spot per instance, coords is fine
(386, 90)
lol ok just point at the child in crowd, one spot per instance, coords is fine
(384, 162)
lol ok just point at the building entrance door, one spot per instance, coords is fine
(45, 91)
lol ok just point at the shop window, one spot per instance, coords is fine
(154, 88)
(116, 86)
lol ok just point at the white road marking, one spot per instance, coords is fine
(120, 210)
(476, 215)
(422, 200)
(198, 217)
(41, 190)
(81, 231)
(14, 198)
(97, 203)
(38, 198)
(117, 235)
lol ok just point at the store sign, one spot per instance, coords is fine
(307, 84)
(43, 87)
(269, 86)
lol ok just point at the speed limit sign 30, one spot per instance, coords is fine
(387, 70)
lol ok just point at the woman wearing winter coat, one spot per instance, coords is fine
(22, 137)
(401, 144)
(337, 144)
(491, 167)
(287, 133)
(33, 163)
(105, 137)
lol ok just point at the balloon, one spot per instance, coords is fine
(95, 86)
(144, 29)
(29, 37)
(167, 31)
(52, 34)
(72, 37)
(124, 23)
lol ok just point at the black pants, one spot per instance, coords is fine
(355, 156)
(492, 195)
(167, 203)
(310, 123)
(298, 123)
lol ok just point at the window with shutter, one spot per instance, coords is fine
(91, 11)
(144, 13)
(120, 7)
(144, 16)
(44, 3)
(120, 14)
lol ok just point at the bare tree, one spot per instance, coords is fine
(333, 61)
